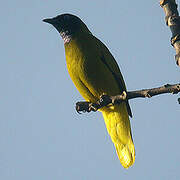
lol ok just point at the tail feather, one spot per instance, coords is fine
(126, 154)
(118, 126)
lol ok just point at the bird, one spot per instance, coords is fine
(95, 72)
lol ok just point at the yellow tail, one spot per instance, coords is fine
(118, 126)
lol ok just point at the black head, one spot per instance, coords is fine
(67, 23)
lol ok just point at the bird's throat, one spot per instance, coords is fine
(66, 37)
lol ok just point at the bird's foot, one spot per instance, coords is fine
(93, 107)
(84, 106)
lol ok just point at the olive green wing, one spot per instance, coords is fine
(111, 64)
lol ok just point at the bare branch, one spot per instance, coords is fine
(105, 100)
(173, 21)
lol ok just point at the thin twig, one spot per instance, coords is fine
(105, 100)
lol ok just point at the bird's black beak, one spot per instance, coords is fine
(49, 20)
(55, 22)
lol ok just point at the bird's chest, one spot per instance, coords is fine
(80, 61)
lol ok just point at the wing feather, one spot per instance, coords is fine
(111, 64)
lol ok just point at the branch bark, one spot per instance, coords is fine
(173, 21)
(105, 100)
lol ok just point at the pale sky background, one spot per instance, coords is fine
(41, 135)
